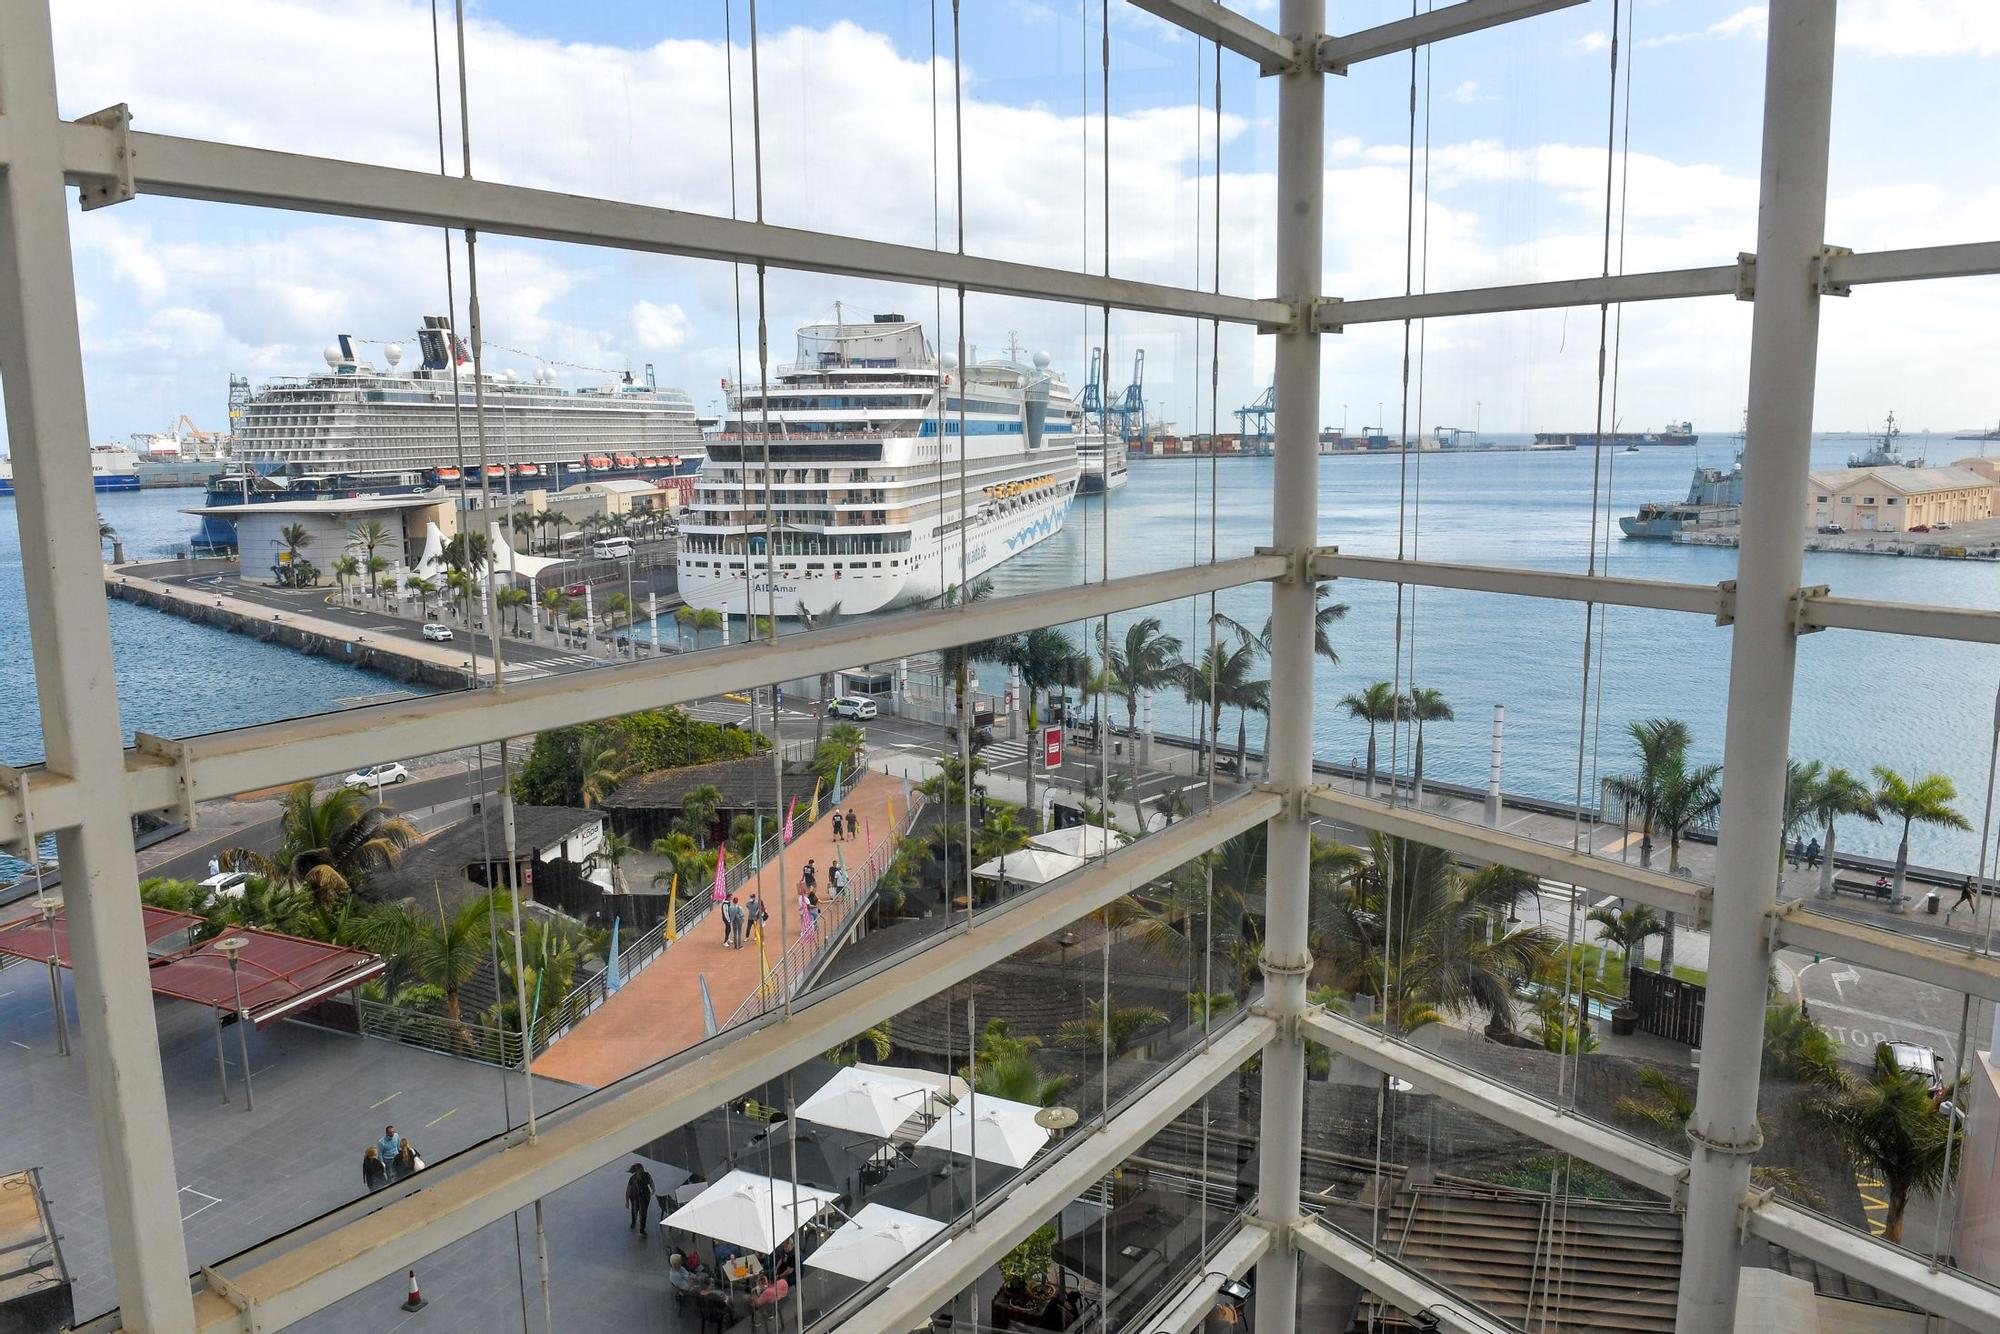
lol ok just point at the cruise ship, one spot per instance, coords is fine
(112, 468)
(876, 499)
(1100, 457)
(358, 430)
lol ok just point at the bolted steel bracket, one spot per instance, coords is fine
(1679, 1199)
(236, 1297)
(1297, 801)
(1326, 315)
(18, 836)
(1823, 263)
(178, 754)
(1292, 562)
(1735, 1148)
(1775, 918)
(1802, 609)
(117, 188)
(1725, 594)
(1753, 1200)
(1746, 276)
(1704, 907)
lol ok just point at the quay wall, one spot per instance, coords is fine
(401, 661)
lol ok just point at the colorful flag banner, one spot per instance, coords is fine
(611, 982)
(708, 1023)
(718, 894)
(812, 811)
(790, 811)
(673, 895)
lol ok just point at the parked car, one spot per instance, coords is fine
(1831, 528)
(1941, 528)
(1912, 1058)
(1920, 528)
(227, 885)
(852, 706)
(384, 774)
(574, 590)
(434, 630)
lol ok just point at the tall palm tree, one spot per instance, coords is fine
(1924, 801)
(375, 565)
(1659, 742)
(1044, 659)
(513, 598)
(1248, 697)
(368, 535)
(331, 842)
(612, 854)
(345, 568)
(1324, 615)
(1416, 932)
(708, 618)
(1686, 798)
(1839, 793)
(1890, 1124)
(461, 587)
(955, 660)
(107, 533)
(1377, 704)
(600, 766)
(683, 620)
(466, 552)
(1216, 680)
(447, 949)
(423, 588)
(699, 807)
(1146, 659)
(1426, 706)
(552, 603)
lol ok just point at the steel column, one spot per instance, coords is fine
(41, 349)
(1294, 531)
(1784, 347)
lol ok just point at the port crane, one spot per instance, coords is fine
(1130, 405)
(1093, 399)
(1263, 410)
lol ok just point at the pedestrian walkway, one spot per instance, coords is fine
(658, 1012)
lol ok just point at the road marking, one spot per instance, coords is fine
(212, 1201)
(1890, 1020)
(452, 1112)
(1842, 978)
(22, 1045)
(1872, 1205)
(397, 1094)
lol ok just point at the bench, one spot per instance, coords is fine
(1866, 889)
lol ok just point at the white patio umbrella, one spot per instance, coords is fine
(873, 1104)
(1083, 840)
(1029, 866)
(747, 1210)
(1007, 1134)
(874, 1241)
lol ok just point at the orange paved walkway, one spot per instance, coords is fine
(658, 1012)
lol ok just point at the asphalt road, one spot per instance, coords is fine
(1862, 1007)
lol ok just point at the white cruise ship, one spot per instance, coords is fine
(357, 420)
(867, 504)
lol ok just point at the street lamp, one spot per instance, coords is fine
(230, 948)
(48, 907)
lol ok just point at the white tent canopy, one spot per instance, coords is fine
(1030, 866)
(1006, 1131)
(876, 1240)
(510, 561)
(751, 1211)
(860, 1100)
(950, 1085)
(1083, 840)
(431, 563)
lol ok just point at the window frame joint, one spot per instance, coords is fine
(104, 191)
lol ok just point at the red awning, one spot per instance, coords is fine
(279, 973)
(32, 938)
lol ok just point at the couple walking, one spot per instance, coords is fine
(853, 828)
(389, 1159)
(738, 920)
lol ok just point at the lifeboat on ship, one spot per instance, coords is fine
(527, 470)
(627, 460)
(496, 470)
(599, 462)
(447, 474)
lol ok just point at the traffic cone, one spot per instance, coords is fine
(416, 1300)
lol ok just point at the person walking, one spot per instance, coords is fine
(728, 916)
(853, 825)
(389, 1145)
(1812, 854)
(1797, 854)
(754, 917)
(374, 1172)
(836, 879)
(1966, 899)
(811, 876)
(407, 1163)
(836, 826)
(638, 1197)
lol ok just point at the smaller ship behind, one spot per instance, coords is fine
(1886, 452)
(112, 468)
(1102, 460)
(1715, 497)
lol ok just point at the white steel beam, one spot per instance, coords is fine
(1402, 1287)
(1970, 624)
(1229, 1263)
(69, 632)
(1701, 599)
(1332, 316)
(974, 1250)
(1336, 54)
(1951, 1293)
(1668, 893)
(1219, 23)
(1947, 966)
(1634, 1160)
(264, 756)
(1973, 259)
(290, 1277)
(225, 173)
(1286, 957)
(1763, 651)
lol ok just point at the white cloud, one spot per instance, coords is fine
(660, 327)
(1921, 27)
(1468, 93)
(1590, 43)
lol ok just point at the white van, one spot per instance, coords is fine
(611, 548)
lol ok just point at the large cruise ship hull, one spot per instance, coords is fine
(934, 566)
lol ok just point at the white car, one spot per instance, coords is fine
(227, 885)
(436, 631)
(852, 706)
(374, 775)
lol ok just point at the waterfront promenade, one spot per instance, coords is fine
(658, 1012)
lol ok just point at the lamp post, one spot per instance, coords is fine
(48, 907)
(230, 948)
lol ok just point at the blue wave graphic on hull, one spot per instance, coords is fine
(1036, 531)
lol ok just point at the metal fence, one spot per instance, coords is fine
(435, 1032)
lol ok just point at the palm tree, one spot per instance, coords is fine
(552, 603)
(875, 1040)
(368, 535)
(331, 842)
(1659, 741)
(1686, 797)
(1127, 1023)
(513, 598)
(708, 618)
(955, 660)
(1890, 1124)
(1839, 793)
(1007, 1068)
(699, 807)
(1044, 659)
(375, 565)
(611, 853)
(1627, 928)
(295, 537)
(423, 588)
(1426, 706)
(107, 533)
(1147, 659)
(1416, 932)
(460, 585)
(347, 567)
(1249, 697)
(446, 953)
(683, 619)
(600, 766)
(1324, 615)
(466, 552)
(1926, 801)
(1218, 677)
(1378, 704)
(1665, 1106)
(686, 861)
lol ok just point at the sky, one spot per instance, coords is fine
(857, 135)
